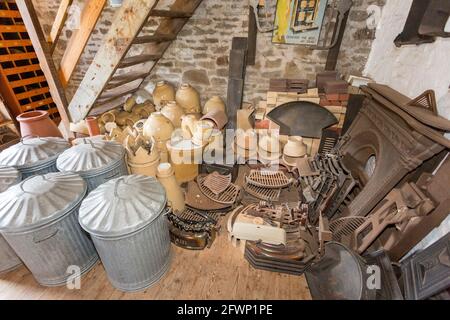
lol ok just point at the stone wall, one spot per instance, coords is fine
(200, 54)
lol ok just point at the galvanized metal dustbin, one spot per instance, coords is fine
(95, 161)
(125, 218)
(39, 220)
(8, 258)
(34, 156)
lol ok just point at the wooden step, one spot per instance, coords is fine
(15, 43)
(32, 93)
(9, 14)
(123, 79)
(36, 104)
(24, 82)
(170, 14)
(132, 61)
(13, 28)
(17, 56)
(17, 70)
(154, 38)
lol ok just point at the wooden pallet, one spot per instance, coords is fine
(115, 73)
(22, 82)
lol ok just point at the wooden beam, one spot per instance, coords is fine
(9, 14)
(17, 56)
(126, 25)
(75, 47)
(42, 50)
(58, 24)
(14, 43)
(16, 70)
(24, 82)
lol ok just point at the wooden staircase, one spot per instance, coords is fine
(117, 71)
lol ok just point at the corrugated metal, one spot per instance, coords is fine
(125, 219)
(138, 261)
(39, 220)
(8, 258)
(96, 161)
(49, 251)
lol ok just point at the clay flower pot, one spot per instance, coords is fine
(173, 112)
(92, 125)
(189, 99)
(143, 110)
(175, 196)
(218, 117)
(213, 104)
(37, 123)
(164, 91)
(158, 127)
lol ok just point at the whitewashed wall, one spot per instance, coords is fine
(409, 69)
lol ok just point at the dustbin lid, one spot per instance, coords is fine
(32, 151)
(90, 155)
(122, 206)
(39, 200)
(8, 177)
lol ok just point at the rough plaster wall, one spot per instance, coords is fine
(409, 69)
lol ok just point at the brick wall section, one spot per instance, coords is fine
(200, 54)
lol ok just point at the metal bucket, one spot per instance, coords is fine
(39, 220)
(95, 161)
(34, 156)
(125, 218)
(8, 258)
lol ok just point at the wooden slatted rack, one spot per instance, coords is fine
(22, 82)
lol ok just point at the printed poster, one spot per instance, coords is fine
(299, 21)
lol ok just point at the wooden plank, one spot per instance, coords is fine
(18, 56)
(126, 25)
(17, 70)
(120, 80)
(35, 104)
(58, 24)
(155, 38)
(15, 43)
(13, 28)
(75, 47)
(252, 38)
(32, 93)
(24, 82)
(171, 14)
(9, 14)
(42, 50)
(132, 61)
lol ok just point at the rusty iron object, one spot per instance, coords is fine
(387, 139)
(289, 85)
(336, 86)
(435, 19)
(193, 230)
(398, 208)
(197, 200)
(268, 179)
(410, 34)
(262, 193)
(302, 118)
(323, 77)
(216, 182)
(397, 243)
(427, 272)
(227, 197)
(344, 228)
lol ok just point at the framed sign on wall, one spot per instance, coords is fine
(299, 21)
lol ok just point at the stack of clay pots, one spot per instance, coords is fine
(246, 145)
(294, 149)
(269, 149)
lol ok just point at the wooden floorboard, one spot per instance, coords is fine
(220, 272)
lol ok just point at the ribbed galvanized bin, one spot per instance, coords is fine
(125, 218)
(34, 156)
(95, 161)
(38, 218)
(8, 258)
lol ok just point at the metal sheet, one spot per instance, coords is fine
(302, 118)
